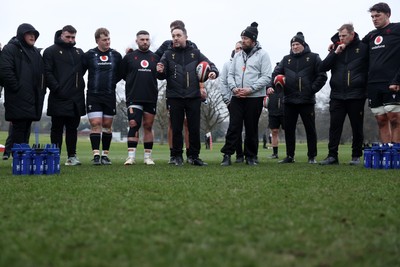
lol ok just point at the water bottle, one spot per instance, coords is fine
(387, 156)
(16, 163)
(367, 156)
(26, 160)
(396, 156)
(376, 161)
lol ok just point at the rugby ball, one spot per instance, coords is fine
(279, 80)
(202, 71)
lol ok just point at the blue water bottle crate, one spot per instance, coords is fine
(382, 156)
(35, 160)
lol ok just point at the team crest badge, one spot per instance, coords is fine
(378, 40)
(144, 64)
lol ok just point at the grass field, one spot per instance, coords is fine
(267, 215)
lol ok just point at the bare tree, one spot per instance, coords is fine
(161, 121)
(215, 111)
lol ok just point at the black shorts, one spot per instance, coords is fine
(102, 103)
(274, 122)
(145, 107)
(379, 95)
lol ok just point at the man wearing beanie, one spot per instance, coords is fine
(303, 81)
(22, 71)
(248, 76)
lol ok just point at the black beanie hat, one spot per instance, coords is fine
(299, 37)
(251, 31)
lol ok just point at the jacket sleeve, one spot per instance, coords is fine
(49, 67)
(266, 72)
(223, 84)
(8, 68)
(328, 62)
(320, 76)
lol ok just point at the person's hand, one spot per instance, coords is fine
(212, 75)
(331, 47)
(270, 91)
(203, 93)
(160, 67)
(340, 48)
(394, 88)
(242, 92)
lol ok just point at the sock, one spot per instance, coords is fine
(275, 149)
(106, 140)
(95, 141)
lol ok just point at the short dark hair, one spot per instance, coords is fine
(101, 31)
(381, 8)
(177, 23)
(69, 28)
(142, 32)
(179, 28)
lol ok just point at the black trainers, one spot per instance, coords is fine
(226, 160)
(172, 160)
(6, 155)
(198, 162)
(239, 159)
(329, 161)
(96, 160)
(105, 160)
(189, 160)
(251, 161)
(288, 159)
(178, 161)
(355, 161)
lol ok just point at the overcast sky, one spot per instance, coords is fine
(214, 25)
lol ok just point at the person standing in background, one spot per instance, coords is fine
(227, 96)
(102, 63)
(66, 103)
(22, 72)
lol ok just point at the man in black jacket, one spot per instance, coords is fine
(22, 71)
(64, 76)
(303, 80)
(178, 66)
(348, 62)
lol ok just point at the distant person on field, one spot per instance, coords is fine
(303, 80)
(66, 103)
(22, 72)
(227, 96)
(102, 63)
(348, 63)
(384, 72)
(138, 69)
(248, 76)
(178, 67)
(276, 117)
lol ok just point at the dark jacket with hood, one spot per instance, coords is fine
(349, 70)
(303, 79)
(22, 71)
(180, 71)
(64, 76)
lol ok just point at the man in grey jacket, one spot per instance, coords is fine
(248, 76)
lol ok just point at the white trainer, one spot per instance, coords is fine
(130, 161)
(149, 161)
(72, 161)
